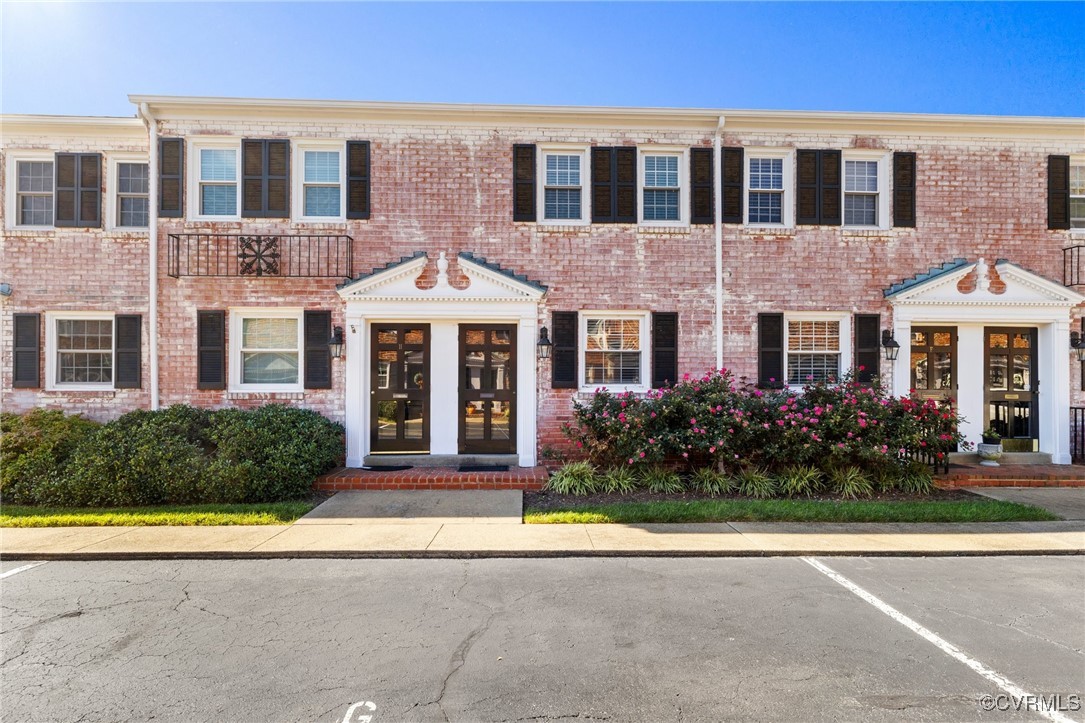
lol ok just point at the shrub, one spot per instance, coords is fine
(619, 480)
(662, 481)
(574, 478)
(756, 482)
(35, 450)
(710, 481)
(800, 480)
(916, 478)
(850, 482)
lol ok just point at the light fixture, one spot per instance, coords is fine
(1077, 343)
(890, 345)
(544, 345)
(336, 343)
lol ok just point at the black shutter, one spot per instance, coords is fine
(265, 180)
(129, 359)
(868, 353)
(731, 160)
(26, 371)
(818, 187)
(602, 185)
(664, 348)
(523, 182)
(770, 351)
(78, 190)
(625, 184)
(1058, 192)
(565, 353)
(318, 355)
(830, 174)
(904, 190)
(702, 192)
(211, 349)
(357, 179)
(171, 157)
(806, 189)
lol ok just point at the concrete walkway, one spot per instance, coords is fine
(473, 539)
(1066, 502)
(418, 507)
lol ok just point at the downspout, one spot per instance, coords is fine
(717, 162)
(152, 240)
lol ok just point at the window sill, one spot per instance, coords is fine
(35, 229)
(265, 394)
(864, 231)
(588, 391)
(81, 391)
(563, 228)
(675, 228)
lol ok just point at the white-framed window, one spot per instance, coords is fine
(664, 187)
(866, 189)
(79, 351)
(30, 186)
(817, 346)
(614, 350)
(128, 204)
(768, 177)
(1077, 194)
(319, 189)
(266, 350)
(563, 171)
(213, 165)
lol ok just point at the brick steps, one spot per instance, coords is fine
(1038, 475)
(431, 478)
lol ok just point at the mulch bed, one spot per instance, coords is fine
(552, 501)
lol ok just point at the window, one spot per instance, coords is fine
(1077, 196)
(661, 188)
(133, 206)
(613, 350)
(860, 193)
(562, 186)
(79, 353)
(34, 193)
(267, 354)
(214, 166)
(766, 190)
(318, 189)
(813, 350)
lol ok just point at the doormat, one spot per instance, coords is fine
(389, 468)
(484, 468)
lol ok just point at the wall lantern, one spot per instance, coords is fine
(336, 343)
(890, 345)
(1077, 343)
(544, 345)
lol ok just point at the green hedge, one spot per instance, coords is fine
(179, 455)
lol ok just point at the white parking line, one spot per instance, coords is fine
(24, 568)
(1006, 685)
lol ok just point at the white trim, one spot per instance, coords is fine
(11, 220)
(788, 195)
(192, 174)
(112, 188)
(644, 317)
(1076, 159)
(882, 157)
(237, 316)
(682, 152)
(564, 149)
(51, 350)
(844, 319)
(297, 181)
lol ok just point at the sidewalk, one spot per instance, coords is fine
(474, 539)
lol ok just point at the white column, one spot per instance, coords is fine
(970, 380)
(527, 368)
(444, 390)
(1053, 373)
(901, 369)
(357, 396)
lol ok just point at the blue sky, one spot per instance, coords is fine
(998, 58)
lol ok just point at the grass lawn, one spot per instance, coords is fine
(276, 513)
(750, 510)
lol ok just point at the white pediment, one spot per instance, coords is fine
(1022, 288)
(487, 283)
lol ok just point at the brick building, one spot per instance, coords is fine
(208, 250)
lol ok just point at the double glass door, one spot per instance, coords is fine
(487, 381)
(399, 388)
(1010, 386)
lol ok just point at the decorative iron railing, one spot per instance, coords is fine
(1073, 273)
(260, 255)
(1077, 435)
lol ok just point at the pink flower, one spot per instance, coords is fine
(642, 455)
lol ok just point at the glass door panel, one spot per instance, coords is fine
(487, 388)
(1010, 391)
(399, 393)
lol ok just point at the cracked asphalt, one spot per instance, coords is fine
(619, 639)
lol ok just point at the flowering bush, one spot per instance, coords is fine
(734, 426)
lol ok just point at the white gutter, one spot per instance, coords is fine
(152, 240)
(717, 166)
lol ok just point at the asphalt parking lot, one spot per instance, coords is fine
(938, 639)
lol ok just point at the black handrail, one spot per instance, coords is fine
(260, 255)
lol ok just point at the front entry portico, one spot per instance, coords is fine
(441, 370)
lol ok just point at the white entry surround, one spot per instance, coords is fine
(1029, 300)
(392, 296)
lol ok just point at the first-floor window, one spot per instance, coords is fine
(270, 350)
(613, 354)
(84, 351)
(34, 193)
(813, 351)
(1077, 196)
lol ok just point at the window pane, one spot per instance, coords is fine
(218, 200)
(85, 368)
(133, 211)
(860, 210)
(132, 178)
(84, 351)
(322, 166)
(661, 171)
(607, 367)
(35, 177)
(766, 207)
(813, 336)
(767, 174)
(269, 333)
(36, 210)
(265, 367)
(613, 334)
(218, 164)
(322, 200)
(562, 170)
(861, 176)
(563, 203)
(1077, 180)
(1077, 212)
(660, 205)
(806, 368)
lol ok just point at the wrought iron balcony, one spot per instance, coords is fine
(260, 255)
(1072, 272)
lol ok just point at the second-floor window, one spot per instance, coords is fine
(562, 187)
(861, 193)
(321, 189)
(1077, 196)
(661, 188)
(766, 194)
(34, 193)
(218, 181)
(133, 206)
